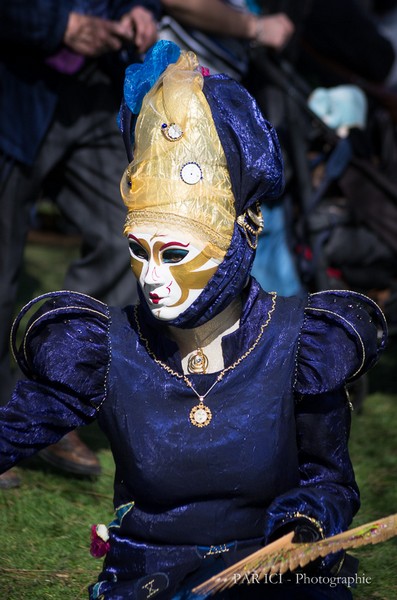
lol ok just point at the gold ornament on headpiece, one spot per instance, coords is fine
(179, 175)
(252, 223)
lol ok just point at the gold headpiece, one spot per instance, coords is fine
(179, 173)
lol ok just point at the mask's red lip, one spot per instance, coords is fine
(155, 298)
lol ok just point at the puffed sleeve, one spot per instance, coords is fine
(341, 338)
(64, 355)
(327, 497)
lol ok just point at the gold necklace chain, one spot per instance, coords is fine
(201, 415)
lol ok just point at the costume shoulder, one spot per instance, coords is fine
(342, 337)
(65, 343)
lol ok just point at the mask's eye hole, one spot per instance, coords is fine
(137, 251)
(174, 255)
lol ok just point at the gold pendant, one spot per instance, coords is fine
(198, 362)
(200, 415)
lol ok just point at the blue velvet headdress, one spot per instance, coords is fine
(253, 158)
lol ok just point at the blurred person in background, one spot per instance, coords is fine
(385, 15)
(220, 33)
(61, 68)
(345, 33)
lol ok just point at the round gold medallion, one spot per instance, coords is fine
(197, 362)
(200, 415)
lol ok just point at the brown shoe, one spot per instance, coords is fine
(9, 479)
(72, 455)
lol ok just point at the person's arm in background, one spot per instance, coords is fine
(132, 22)
(45, 25)
(37, 24)
(142, 23)
(345, 33)
(93, 36)
(214, 16)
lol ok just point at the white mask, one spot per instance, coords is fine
(172, 269)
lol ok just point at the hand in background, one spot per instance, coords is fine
(274, 31)
(142, 26)
(93, 36)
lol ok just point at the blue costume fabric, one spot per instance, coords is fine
(189, 500)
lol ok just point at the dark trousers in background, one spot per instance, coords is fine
(83, 158)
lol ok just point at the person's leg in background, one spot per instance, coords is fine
(19, 187)
(84, 154)
(88, 196)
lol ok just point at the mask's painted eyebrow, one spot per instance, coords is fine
(132, 237)
(168, 244)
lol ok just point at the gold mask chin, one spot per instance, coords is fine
(179, 174)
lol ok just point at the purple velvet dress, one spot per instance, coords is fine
(190, 500)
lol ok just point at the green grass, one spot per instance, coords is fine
(46, 531)
(45, 524)
(374, 454)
